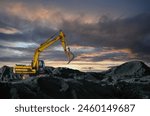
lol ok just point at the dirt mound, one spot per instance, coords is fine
(129, 80)
(133, 68)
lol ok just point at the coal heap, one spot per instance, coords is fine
(130, 80)
(133, 68)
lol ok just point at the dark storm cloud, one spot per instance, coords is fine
(30, 31)
(115, 7)
(112, 56)
(9, 20)
(33, 35)
(132, 33)
(14, 59)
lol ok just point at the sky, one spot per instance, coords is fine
(101, 33)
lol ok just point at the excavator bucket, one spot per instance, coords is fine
(70, 55)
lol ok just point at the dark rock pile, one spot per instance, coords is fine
(128, 81)
(133, 68)
(6, 74)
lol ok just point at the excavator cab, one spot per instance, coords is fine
(41, 67)
(41, 64)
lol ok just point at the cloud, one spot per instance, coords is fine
(106, 54)
(18, 44)
(128, 33)
(91, 38)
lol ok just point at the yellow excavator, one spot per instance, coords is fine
(38, 65)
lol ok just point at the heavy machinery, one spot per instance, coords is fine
(37, 65)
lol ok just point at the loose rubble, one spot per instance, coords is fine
(130, 80)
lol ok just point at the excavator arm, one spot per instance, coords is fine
(46, 44)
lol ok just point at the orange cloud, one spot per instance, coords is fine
(88, 56)
(47, 16)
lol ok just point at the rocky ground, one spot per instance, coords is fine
(130, 80)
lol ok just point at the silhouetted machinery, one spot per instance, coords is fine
(38, 65)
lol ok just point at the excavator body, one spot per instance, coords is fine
(28, 69)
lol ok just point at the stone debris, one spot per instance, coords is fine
(130, 80)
